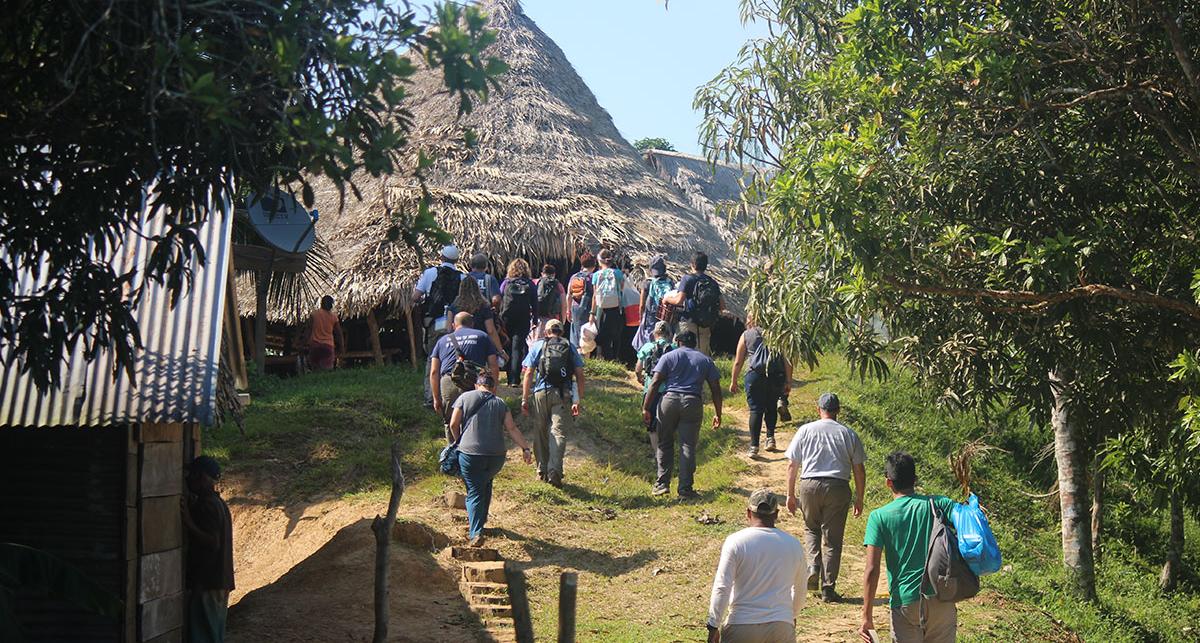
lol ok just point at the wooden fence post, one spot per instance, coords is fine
(383, 534)
(412, 335)
(373, 331)
(568, 585)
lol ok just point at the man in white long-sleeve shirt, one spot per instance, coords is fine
(760, 582)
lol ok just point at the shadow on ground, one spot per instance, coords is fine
(329, 597)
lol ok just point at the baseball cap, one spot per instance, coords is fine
(763, 502)
(450, 252)
(206, 465)
(829, 402)
(554, 324)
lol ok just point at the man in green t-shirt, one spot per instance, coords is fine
(900, 531)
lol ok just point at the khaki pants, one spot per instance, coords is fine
(773, 632)
(551, 413)
(825, 503)
(450, 393)
(703, 336)
(941, 622)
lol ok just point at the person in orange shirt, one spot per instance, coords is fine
(325, 337)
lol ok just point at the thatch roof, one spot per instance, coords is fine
(715, 189)
(550, 174)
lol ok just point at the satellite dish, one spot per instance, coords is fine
(281, 221)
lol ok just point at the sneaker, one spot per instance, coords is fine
(753, 452)
(660, 490)
(476, 541)
(771, 444)
(688, 494)
(555, 479)
(828, 595)
(542, 476)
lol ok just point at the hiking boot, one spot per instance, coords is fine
(814, 582)
(753, 452)
(828, 595)
(542, 476)
(660, 490)
(688, 494)
(476, 541)
(771, 444)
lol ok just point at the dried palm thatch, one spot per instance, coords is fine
(548, 175)
(714, 189)
(960, 462)
(290, 296)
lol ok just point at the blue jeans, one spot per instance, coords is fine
(477, 473)
(579, 316)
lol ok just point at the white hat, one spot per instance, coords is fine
(450, 252)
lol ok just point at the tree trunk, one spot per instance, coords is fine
(383, 537)
(1173, 568)
(262, 282)
(1097, 508)
(1072, 489)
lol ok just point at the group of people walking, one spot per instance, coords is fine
(520, 324)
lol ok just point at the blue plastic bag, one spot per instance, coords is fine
(975, 539)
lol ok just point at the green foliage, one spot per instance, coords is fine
(1009, 188)
(109, 105)
(35, 572)
(653, 143)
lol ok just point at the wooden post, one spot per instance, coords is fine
(373, 331)
(412, 335)
(262, 282)
(518, 598)
(568, 583)
(383, 537)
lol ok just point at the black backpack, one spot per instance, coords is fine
(945, 569)
(660, 349)
(769, 364)
(706, 302)
(517, 305)
(548, 302)
(443, 292)
(556, 367)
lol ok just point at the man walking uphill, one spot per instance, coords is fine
(684, 372)
(901, 529)
(209, 553)
(823, 455)
(760, 579)
(551, 390)
(700, 298)
(457, 360)
(436, 289)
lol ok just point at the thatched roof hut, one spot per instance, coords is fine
(550, 174)
(714, 189)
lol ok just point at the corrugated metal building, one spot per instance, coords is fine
(93, 471)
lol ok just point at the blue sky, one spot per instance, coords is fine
(644, 63)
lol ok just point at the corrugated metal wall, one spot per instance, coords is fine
(176, 373)
(63, 491)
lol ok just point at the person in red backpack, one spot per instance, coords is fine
(579, 289)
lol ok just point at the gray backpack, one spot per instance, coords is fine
(945, 570)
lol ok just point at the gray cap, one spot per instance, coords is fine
(763, 502)
(662, 328)
(829, 402)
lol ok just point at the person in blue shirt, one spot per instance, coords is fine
(684, 371)
(476, 347)
(551, 390)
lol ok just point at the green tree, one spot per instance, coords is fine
(1010, 187)
(108, 105)
(653, 143)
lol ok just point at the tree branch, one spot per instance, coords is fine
(1037, 302)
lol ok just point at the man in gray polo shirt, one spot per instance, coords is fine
(823, 455)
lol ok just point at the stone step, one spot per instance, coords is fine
(484, 588)
(474, 554)
(492, 611)
(456, 500)
(485, 572)
(489, 599)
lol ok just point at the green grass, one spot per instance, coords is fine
(647, 563)
(895, 415)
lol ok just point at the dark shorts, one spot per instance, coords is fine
(320, 357)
